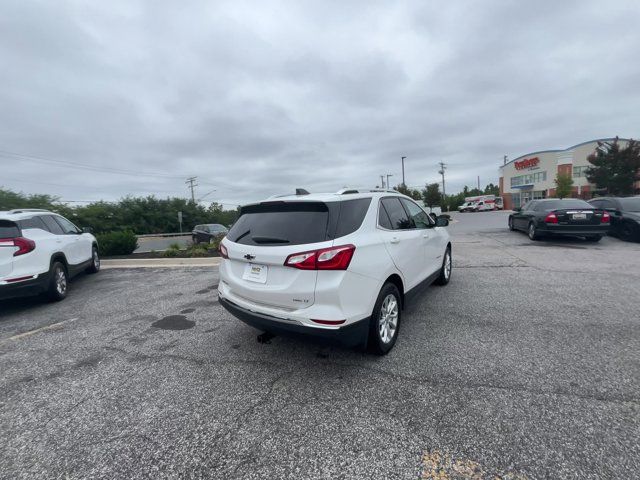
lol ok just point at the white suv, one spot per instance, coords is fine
(336, 266)
(40, 251)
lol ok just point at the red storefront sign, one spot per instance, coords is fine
(527, 163)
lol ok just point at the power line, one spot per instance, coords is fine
(66, 163)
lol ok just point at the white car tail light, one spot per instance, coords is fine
(332, 258)
(24, 245)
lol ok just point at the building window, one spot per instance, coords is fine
(515, 198)
(528, 179)
(539, 194)
(580, 171)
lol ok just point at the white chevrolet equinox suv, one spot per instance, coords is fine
(339, 266)
(40, 251)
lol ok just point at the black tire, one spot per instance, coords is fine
(95, 261)
(594, 238)
(532, 232)
(58, 282)
(511, 227)
(445, 274)
(629, 232)
(378, 343)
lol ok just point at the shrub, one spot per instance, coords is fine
(117, 243)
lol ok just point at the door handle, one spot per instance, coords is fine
(425, 235)
(395, 240)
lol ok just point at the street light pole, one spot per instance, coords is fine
(403, 184)
(388, 184)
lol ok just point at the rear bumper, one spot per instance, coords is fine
(351, 335)
(24, 288)
(571, 230)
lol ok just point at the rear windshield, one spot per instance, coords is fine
(631, 204)
(297, 223)
(281, 223)
(8, 229)
(561, 204)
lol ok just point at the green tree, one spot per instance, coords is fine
(413, 193)
(431, 195)
(615, 169)
(492, 189)
(564, 185)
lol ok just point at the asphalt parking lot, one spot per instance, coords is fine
(527, 365)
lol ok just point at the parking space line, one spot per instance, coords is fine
(53, 326)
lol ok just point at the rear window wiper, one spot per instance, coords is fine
(258, 239)
(242, 236)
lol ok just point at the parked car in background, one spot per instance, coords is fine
(207, 233)
(336, 265)
(567, 217)
(625, 215)
(41, 251)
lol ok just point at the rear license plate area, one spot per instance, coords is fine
(579, 216)
(255, 273)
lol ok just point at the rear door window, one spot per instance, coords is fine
(281, 223)
(397, 214)
(52, 225)
(9, 229)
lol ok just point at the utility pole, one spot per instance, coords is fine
(382, 181)
(191, 182)
(388, 184)
(478, 182)
(403, 184)
(443, 167)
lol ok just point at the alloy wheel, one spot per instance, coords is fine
(447, 265)
(388, 321)
(61, 281)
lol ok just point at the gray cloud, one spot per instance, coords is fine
(260, 98)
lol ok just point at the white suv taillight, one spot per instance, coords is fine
(24, 245)
(332, 258)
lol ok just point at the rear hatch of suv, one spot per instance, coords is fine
(8, 231)
(267, 234)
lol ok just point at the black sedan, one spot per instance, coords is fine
(567, 217)
(208, 232)
(625, 215)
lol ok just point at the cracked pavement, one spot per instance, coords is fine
(527, 365)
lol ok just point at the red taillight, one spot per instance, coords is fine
(551, 218)
(333, 258)
(329, 322)
(24, 245)
(606, 218)
(222, 250)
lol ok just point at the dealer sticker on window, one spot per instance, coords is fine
(255, 273)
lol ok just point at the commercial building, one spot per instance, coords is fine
(532, 175)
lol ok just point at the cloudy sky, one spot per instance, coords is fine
(103, 99)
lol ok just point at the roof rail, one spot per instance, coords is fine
(347, 191)
(23, 210)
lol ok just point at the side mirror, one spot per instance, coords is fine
(87, 230)
(433, 216)
(442, 222)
